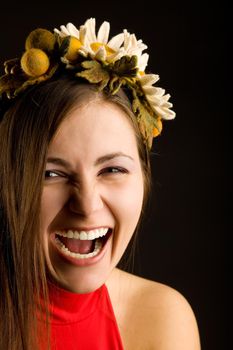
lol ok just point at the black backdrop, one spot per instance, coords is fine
(185, 238)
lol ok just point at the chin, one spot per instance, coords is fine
(83, 275)
(78, 278)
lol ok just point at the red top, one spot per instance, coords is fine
(83, 321)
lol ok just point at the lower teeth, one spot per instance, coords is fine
(66, 251)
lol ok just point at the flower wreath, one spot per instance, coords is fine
(110, 64)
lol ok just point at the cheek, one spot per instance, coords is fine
(52, 202)
(127, 209)
(128, 203)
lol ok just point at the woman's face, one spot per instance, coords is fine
(92, 196)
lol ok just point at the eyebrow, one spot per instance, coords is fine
(111, 156)
(99, 161)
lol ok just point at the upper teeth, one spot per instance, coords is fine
(84, 235)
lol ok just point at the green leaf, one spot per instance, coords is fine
(64, 45)
(9, 83)
(147, 120)
(37, 80)
(126, 66)
(94, 73)
(115, 84)
(11, 65)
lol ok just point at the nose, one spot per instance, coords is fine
(85, 199)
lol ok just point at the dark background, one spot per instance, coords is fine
(185, 240)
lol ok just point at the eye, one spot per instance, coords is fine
(113, 170)
(52, 174)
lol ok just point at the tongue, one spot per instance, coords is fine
(77, 245)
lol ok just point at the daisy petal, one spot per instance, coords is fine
(151, 91)
(165, 113)
(116, 41)
(103, 33)
(115, 56)
(149, 79)
(142, 62)
(62, 35)
(126, 39)
(101, 54)
(154, 100)
(83, 52)
(82, 34)
(90, 25)
(160, 92)
(168, 105)
(59, 32)
(64, 30)
(166, 97)
(72, 30)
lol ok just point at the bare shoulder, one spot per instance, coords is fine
(164, 317)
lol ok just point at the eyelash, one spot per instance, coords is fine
(47, 172)
(108, 170)
(113, 170)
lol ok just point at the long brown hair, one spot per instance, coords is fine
(26, 130)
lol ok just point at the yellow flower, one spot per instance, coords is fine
(157, 131)
(73, 49)
(40, 39)
(35, 62)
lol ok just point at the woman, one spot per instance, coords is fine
(78, 118)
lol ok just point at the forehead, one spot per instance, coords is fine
(94, 129)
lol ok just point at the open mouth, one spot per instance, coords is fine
(82, 244)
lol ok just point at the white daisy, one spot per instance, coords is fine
(155, 96)
(67, 30)
(71, 30)
(134, 47)
(99, 46)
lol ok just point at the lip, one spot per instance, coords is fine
(90, 228)
(87, 261)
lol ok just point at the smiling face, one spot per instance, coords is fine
(93, 187)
